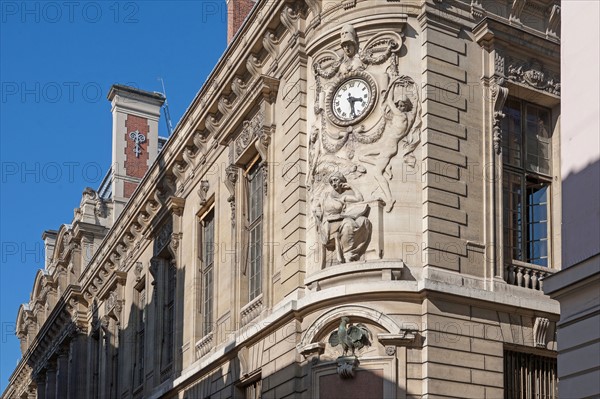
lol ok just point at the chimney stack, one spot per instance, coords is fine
(237, 11)
(134, 139)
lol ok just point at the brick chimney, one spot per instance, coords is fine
(134, 139)
(237, 11)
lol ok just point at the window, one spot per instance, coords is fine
(253, 390)
(169, 285)
(140, 327)
(255, 216)
(208, 260)
(527, 375)
(527, 151)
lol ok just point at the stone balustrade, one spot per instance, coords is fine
(527, 275)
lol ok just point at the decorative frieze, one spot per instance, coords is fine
(533, 74)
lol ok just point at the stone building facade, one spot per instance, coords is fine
(363, 203)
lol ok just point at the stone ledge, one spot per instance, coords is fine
(388, 269)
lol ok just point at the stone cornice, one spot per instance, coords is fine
(147, 200)
(63, 318)
(494, 31)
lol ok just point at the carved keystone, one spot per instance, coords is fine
(346, 366)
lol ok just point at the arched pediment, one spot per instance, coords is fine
(38, 285)
(61, 241)
(21, 325)
(323, 324)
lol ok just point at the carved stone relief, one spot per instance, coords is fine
(343, 225)
(499, 96)
(540, 331)
(533, 74)
(366, 113)
(203, 191)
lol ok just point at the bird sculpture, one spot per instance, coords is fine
(350, 337)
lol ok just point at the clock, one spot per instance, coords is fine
(351, 99)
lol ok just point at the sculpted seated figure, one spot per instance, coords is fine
(344, 226)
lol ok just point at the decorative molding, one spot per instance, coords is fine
(346, 366)
(499, 96)
(540, 331)
(239, 87)
(211, 124)
(137, 270)
(316, 331)
(231, 178)
(348, 4)
(138, 138)
(254, 66)
(404, 338)
(533, 74)
(204, 345)
(225, 106)
(163, 237)
(554, 22)
(251, 310)
(174, 244)
(516, 10)
(250, 130)
(477, 10)
(203, 192)
(271, 44)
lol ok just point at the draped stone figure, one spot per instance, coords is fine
(343, 224)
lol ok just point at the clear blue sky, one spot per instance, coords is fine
(57, 62)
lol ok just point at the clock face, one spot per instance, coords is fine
(351, 100)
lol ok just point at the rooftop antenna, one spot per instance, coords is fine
(166, 109)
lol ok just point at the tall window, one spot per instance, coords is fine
(253, 390)
(527, 153)
(255, 216)
(208, 261)
(529, 376)
(138, 367)
(169, 312)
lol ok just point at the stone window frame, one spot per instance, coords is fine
(206, 326)
(139, 344)
(255, 219)
(540, 361)
(526, 177)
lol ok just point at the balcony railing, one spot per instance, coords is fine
(527, 275)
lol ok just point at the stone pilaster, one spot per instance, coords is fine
(62, 373)
(51, 381)
(77, 368)
(41, 386)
